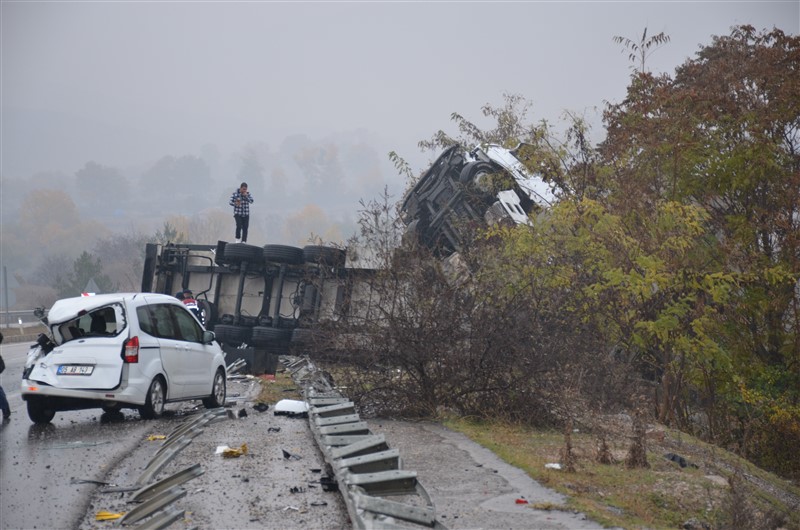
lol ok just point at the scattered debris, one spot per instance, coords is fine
(329, 483)
(521, 500)
(296, 489)
(318, 503)
(261, 407)
(681, 461)
(552, 466)
(105, 515)
(242, 413)
(289, 456)
(74, 480)
(295, 508)
(274, 429)
(154, 437)
(292, 408)
(228, 452)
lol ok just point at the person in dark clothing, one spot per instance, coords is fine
(241, 201)
(3, 401)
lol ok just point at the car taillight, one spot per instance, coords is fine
(130, 353)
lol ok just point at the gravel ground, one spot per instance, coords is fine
(470, 487)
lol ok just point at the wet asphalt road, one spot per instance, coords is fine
(46, 472)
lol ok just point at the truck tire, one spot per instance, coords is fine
(233, 335)
(241, 252)
(474, 172)
(282, 254)
(322, 255)
(263, 336)
(208, 313)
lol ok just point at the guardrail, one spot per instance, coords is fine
(12, 319)
(364, 467)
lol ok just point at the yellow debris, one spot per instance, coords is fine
(154, 437)
(235, 453)
(104, 515)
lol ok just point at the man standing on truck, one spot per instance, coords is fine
(241, 200)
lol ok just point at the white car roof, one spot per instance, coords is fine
(68, 308)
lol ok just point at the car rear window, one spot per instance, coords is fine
(106, 321)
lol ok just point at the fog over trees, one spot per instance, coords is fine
(305, 189)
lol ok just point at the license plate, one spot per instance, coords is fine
(75, 369)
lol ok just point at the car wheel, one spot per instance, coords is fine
(217, 398)
(40, 411)
(154, 403)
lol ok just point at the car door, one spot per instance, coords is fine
(172, 347)
(198, 357)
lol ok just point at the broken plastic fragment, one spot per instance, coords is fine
(291, 407)
(104, 515)
(289, 456)
(521, 501)
(552, 466)
(154, 437)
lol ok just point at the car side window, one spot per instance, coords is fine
(190, 330)
(156, 320)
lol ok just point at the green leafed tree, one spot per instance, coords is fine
(85, 268)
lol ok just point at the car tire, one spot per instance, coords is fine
(322, 255)
(283, 254)
(40, 411)
(218, 392)
(154, 402)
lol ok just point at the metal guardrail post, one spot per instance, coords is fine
(364, 466)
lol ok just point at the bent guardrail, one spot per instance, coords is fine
(364, 467)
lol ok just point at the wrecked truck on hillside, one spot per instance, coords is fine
(484, 185)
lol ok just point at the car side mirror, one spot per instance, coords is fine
(208, 337)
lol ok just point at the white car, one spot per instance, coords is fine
(127, 350)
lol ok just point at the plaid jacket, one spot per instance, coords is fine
(244, 204)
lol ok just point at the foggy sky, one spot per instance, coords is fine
(126, 83)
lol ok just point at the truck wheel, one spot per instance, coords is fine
(266, 335)
(283, 254)
(229, 334)
(475, 173)
(239, 252)
(208, 313)
(321, 255)
(40, 411)
(154, 402)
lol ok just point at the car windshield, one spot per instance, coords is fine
(106, 321)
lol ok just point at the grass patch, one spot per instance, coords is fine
(662, 496)
(274, 390)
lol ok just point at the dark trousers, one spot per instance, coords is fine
(242, 224)
(4, 403)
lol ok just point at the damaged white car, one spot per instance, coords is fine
(128, 350)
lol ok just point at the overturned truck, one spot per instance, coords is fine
(259, 301)
(265, 301)
(463, 188)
